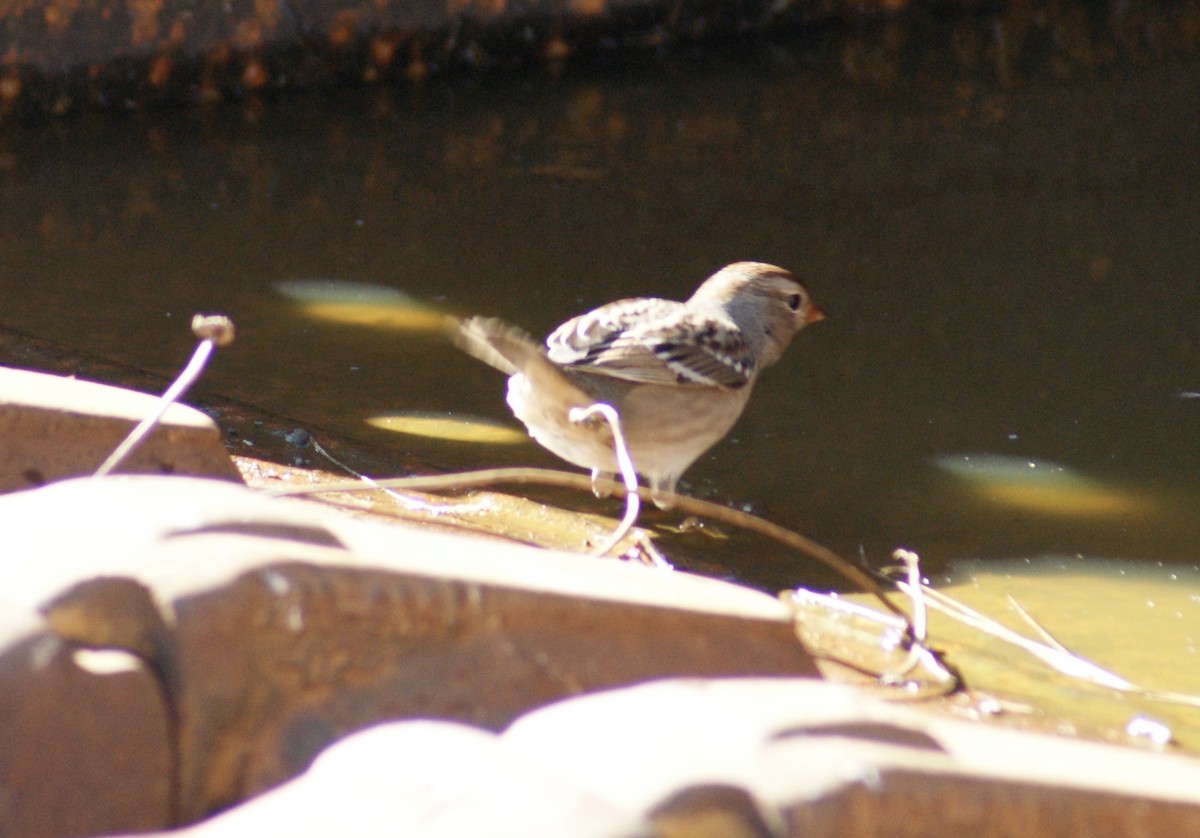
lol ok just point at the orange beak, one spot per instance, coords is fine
(814, 314)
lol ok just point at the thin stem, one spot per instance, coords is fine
(633, 503)
(213, 331)
(562, 479)
(920, 621)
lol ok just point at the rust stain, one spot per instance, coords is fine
(588, 8)
(160, 71)
(214, 63)
(416, 70)
(144, 28)
(218, 56)
(268, 13)
(10, 86)
(556, 49)
(383, 50)
(176, 35)
(57, 16)
(254, 75)
(341, 31)
(248, 35)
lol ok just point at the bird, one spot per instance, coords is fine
(678, 374)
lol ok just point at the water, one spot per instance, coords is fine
(1138, 620)
(1008, 270)
(1121, 664)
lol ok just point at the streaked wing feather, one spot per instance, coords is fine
(697, 363)
(653, 342)
(582, 338)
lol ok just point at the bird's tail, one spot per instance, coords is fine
(512, 350)
(496, 343)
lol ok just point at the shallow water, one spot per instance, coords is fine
(1007, 270)
(1138, 620)
(1099, 648)
(1076, 600)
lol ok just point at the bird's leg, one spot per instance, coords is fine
(597, 476)
(660, 488)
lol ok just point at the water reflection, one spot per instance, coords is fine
(450, 427)
(1037, 485)
(1007, 268)
(360, 304)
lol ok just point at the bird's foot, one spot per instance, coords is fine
(598, 489)
(661, 492)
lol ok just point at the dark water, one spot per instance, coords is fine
(1008, 267)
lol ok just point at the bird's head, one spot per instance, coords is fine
(767, 303)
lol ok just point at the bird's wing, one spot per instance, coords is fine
(654, 342)
(582, 338)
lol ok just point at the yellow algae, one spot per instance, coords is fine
(449, 427)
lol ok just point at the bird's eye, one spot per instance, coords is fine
(793, 302)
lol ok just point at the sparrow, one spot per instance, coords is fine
(678, 374)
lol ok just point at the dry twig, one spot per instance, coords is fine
(567, 480)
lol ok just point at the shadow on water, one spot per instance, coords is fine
(1009, 267)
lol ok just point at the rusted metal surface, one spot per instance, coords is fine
(341, 649)
(916, 803)
(255, 632)
(81, 753)
(262, 674)
(56, 427)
